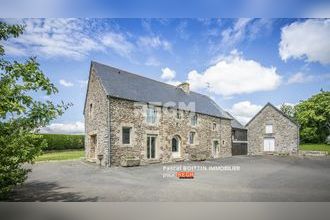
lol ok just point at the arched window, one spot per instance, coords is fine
(175, 145)
(176, 152)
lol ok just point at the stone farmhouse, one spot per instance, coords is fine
(133, 120)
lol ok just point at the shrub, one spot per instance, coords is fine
(64, 141)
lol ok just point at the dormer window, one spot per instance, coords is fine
(151, 115)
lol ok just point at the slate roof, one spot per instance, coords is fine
(235, 123)
(122, 84)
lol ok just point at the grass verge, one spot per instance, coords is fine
(61, 155)
(316, 147)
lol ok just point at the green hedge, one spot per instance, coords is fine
(64, 141)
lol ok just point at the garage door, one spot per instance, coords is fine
(269, 144)
(239, 149)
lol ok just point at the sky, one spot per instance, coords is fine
(240, 63)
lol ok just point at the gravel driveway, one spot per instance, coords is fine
(266, 178)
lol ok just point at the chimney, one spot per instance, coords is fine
(184, 86)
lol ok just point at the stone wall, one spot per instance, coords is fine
(285, 132)
(96, 120)
(131, 114)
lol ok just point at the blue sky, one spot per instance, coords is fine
(165, 8)
(241, 63)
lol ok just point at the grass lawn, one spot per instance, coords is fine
(61, 155)
(317, 147)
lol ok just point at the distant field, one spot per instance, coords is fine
(61, 155)
(317, 147)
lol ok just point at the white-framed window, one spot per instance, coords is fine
(193, 120)
(269, 129)
(126, 135)
(151, 115)
(192, 135)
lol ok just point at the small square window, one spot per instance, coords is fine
(126, 135)
(269, 129)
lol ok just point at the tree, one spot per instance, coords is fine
(288, 110)
(20, 114)
(313, 116)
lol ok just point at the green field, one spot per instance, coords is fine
(316, 147)
(61, 155)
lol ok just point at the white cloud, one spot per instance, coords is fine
(61, 128)
(300, 78)
(118, 43)
(235, 34)
(244, 28)
(168, 74)
(154, 42)
(308, 40)
(235, 75)
(66, 83)
(244, 111)
(52, 38)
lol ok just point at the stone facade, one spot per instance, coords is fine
(106, 116)
(284, 132)
(131, 114)
(96, 114)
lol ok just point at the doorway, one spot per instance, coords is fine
(93, 145)
(215, 149)
(269, 144)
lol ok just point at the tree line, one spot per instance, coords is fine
(313, 116)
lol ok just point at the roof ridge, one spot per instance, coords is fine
(139, 90)
(274, 107)
(128, 72)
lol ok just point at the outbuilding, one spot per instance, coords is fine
(271, 130)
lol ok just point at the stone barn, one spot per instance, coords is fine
(270, 130)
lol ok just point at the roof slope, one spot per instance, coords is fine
(278, 110)
(122, 84)
(235, 123)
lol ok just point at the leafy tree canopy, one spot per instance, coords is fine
(313, 116)
(20, 114)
